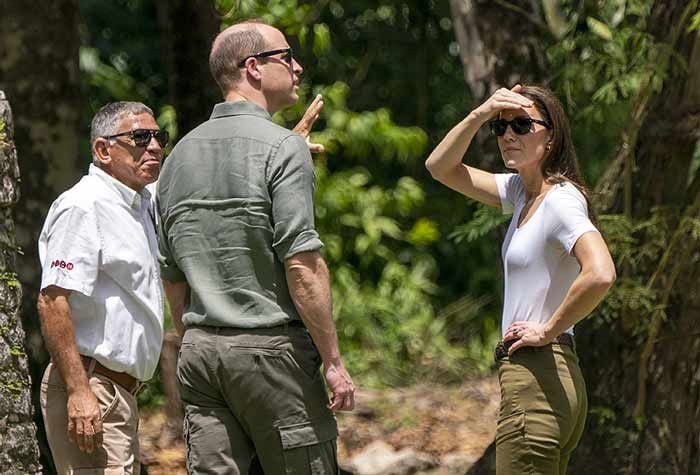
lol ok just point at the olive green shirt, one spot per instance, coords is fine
(235, 199)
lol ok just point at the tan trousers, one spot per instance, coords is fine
(543, 410)
(119, 451)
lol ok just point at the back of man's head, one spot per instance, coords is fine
(107, 120)
(230, 47)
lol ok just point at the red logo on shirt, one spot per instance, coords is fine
(62, 264)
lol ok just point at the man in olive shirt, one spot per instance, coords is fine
(244, 278)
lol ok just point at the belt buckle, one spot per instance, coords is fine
(499, 352)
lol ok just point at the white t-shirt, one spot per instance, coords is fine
(99, 240)
(538, 264)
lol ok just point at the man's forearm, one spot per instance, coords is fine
(176, 293)
(59, 336)
(308, 281)
(307, 278)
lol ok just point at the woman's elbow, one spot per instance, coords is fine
(605, 277)
(435, 170)
(430, 165)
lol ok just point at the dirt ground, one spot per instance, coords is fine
(437, 420)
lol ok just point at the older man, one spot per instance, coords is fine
(101, 303)
(242, 270)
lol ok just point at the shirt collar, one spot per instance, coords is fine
(227, 109)
(129, 195)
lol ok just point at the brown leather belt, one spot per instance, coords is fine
(502, 347)
(128, 382)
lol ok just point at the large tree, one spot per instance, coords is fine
(19, 452)
(39, 72)
(191, 87)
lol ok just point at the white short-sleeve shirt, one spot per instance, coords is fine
(100, 242)
(538, 264)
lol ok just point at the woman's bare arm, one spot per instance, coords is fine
(445, 162)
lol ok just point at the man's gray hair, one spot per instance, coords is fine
(107, 119)
(230, 48)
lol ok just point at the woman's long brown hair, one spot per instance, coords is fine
(560, 164)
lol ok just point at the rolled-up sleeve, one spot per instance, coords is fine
(169, 269)
(292, 184)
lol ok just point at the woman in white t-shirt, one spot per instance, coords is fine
(556, 265)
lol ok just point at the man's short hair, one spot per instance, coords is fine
(107, 120)
(230, 49)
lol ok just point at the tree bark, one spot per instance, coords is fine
(39, 72)
(19, 452)
(191, 87)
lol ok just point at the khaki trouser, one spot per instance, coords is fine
(255, 402)
(119, 451)
(543, 410)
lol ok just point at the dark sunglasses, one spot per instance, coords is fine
(519, 125)
(288, 55)
(142, 137)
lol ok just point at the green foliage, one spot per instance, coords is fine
(694, 23)
(15, 386)
(485, 220)
(638, 248)
(11, 279)
(17, 350)
(3, 136)
(382, 283)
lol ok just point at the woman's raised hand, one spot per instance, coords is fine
(500, 100)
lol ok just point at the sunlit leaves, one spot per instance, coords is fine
(612, 60)
(322, 39)
(599, 28)
(167, 119)
(485, 220)
(112, 78)
(424, 232)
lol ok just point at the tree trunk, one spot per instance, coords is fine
(19, 452)
(191, 87)
(39, 71)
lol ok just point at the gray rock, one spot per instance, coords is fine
(379, 458)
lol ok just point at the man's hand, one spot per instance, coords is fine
(84, 420)
(304, 126)
(340, 384)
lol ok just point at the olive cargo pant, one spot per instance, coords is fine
(543, 410)
(255, 398)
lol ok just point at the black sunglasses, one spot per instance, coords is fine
(288, 55)
(520, 125)
(142, 137)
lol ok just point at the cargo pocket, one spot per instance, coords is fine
(309, 447)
